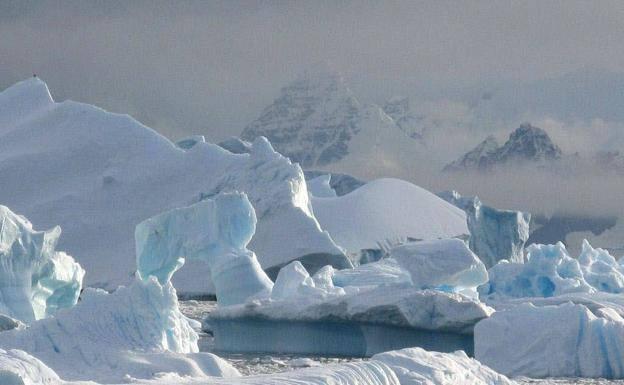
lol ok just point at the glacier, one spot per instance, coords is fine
(550, 271)
(35, 280)
(494, 234)
(111, 172)
(387, 209)
(214, 231)
(567, 340)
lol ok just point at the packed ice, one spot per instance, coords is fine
(35, 280)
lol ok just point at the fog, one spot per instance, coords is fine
(197, 67)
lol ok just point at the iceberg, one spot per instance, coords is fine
(387, 209)
(319, 187)
(550, 271)
(111, 173)
(35, 280)
(342, 184)
(446, 264)
(137, 331)
(566, 340)
(494, 234)
(215, 231)
(349, 322)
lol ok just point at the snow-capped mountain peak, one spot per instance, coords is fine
(526, 143)
(317, 121)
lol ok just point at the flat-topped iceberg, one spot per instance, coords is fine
(550, 271)
(111, 172)
(494, 234)
(566, 340)
(35, 279)
(214, 231)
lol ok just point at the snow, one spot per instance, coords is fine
(293, 280)
(98, 174)
(35, 279)
(216, 231)
(446, 264)
(494, 234)
(552, 341)
(384, 272)
(137, 330)
(319, 187)
(387, 209)
(415, 366)
(550, 271)
(19, 368)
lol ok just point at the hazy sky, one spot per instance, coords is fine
(210, 67)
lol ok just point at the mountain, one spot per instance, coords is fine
(317, 121)
(399, 110)
(526, 144)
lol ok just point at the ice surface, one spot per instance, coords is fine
(415, 366)
(19, 368)
(35, 279)
(319, 187)
(137, 330)
(111, 172)
(446, 264)
(383, 272)
(293, 280)
(494, 234)
(552, 341)
(189, 142)
(550, 271)
(387, 209)
(215, 231)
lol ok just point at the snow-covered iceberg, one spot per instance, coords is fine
(387, 209)
(137, 331)
(494, 234)
(552, 341)
(19, 368)
(35, 279)
(214, 231)
(319, 187)
(446, 264)
(550, 271)
(111, 172)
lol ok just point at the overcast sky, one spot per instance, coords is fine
(210, 67)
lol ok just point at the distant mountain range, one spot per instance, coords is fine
(526, 144)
